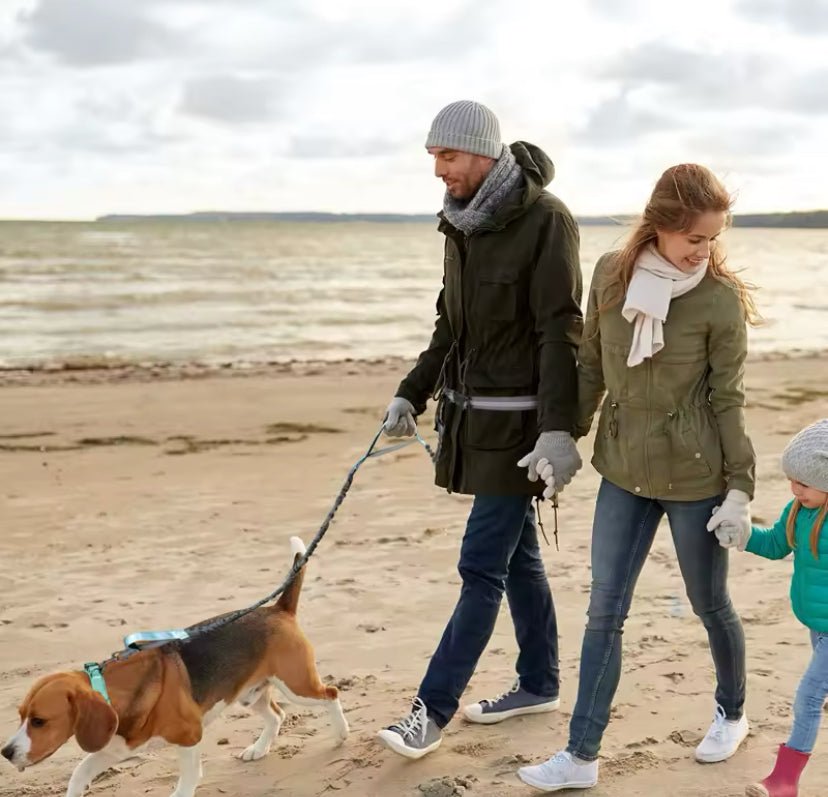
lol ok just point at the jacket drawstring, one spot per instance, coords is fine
(461, 372)
(613, 423)
(441, 377)
(554, 499)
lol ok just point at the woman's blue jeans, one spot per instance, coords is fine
(623, 531)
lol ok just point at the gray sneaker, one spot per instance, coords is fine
(415, 736)
(514, 703)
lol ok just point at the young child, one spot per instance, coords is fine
(805, 463)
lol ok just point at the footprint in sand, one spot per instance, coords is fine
(648, 742)
(370, 628)
(634, 762)
(476, 749)
(685, 738)
(351, 682)
(447, 787)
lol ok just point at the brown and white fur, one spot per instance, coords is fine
(170, 693)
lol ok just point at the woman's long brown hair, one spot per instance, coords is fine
(680, 196)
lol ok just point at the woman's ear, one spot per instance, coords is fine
(95, 720)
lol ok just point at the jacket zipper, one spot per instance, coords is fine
(460, 344)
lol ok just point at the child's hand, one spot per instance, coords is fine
(735, 514)
(730, 535)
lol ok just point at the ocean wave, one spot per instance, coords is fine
(153, 293)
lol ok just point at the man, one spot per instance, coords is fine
(502, 359)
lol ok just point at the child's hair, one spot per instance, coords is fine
(680, 196)
(815, 530)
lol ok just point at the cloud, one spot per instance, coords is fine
(233, 99)
(92, 32)
(318, 147)
(171, 104)
(759, 148)
(807, 94)
(618, 120)
(717, 81)
(79, 123)
(612, 8)
(808, 17)
(411, 38)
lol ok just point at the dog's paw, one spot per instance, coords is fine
(254, 752)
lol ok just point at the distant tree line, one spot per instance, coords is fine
(807, 219)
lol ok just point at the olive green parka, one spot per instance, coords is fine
(673, 427)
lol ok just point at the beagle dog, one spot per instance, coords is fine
(171, 692)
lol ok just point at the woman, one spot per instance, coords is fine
(666, 340)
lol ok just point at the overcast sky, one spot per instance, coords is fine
(181, 105)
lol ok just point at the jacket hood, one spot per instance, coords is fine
(538, 171)
(536, 164)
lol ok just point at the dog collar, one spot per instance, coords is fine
(96, 679)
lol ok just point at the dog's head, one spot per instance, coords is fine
(56, 708)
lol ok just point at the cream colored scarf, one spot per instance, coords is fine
(655, 283)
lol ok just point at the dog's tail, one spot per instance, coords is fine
(289, 599)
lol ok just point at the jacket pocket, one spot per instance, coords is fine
(610, 447)
(697, 450)
(494, 430)
(497, 298)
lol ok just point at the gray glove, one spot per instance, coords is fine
(733, 518)
(555, 459)
(399, 418)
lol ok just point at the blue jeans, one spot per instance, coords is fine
(499, 552)
(622, 534)
(810, 697)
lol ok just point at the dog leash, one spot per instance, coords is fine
(147, 639)
(141, 640)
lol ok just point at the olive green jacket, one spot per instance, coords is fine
(508, 324)
(673, 427)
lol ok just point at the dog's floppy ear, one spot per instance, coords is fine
(95, 720)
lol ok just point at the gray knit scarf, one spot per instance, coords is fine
(471, 214)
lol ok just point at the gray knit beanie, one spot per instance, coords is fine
(466, 126)
(805, 459)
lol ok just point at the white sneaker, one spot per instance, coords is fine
(562, 771)
(723, 738)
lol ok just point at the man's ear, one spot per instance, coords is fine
(95, 720)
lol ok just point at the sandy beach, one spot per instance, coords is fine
(136, 499)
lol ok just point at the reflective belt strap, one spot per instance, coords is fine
(496, 403)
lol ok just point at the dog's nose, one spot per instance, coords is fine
(8, 752)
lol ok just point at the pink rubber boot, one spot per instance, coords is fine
(784, 780)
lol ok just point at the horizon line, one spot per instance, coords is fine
(344, 215)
